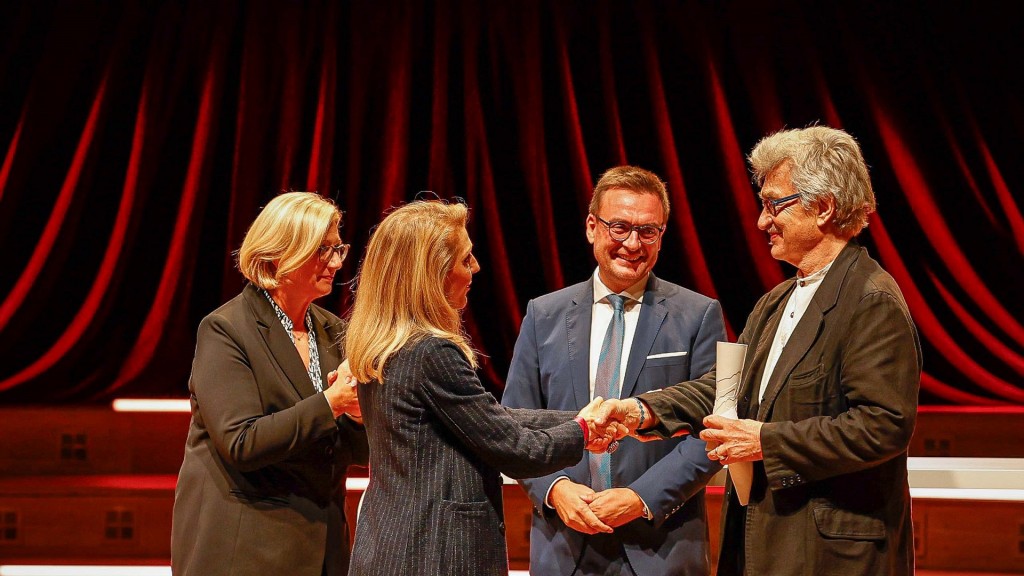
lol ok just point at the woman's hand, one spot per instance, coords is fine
(604, 437)
(341, 392)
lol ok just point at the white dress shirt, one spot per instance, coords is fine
(602, 317)
(797, 304)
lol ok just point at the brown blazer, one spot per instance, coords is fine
(262, 486)
(831, 495)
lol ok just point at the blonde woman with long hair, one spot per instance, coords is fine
(438, 438)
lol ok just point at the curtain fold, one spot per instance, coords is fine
(137, 144)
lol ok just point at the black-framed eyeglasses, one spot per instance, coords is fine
(326, 252)
(771, 205)
(620, 231)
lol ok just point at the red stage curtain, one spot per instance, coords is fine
(139, 140)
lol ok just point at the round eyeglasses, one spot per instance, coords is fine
(620, 231)
(325, 253)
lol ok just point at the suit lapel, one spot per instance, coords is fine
(280, 346)
(800, 342)
(652, 315)
(577, 326)
(757, 355)
(809, 328)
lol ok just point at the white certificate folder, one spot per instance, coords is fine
(728, 374)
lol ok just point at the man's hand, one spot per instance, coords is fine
(625, 412)
(571, 501)
(617, 506)
(603, 437)
(737, 440)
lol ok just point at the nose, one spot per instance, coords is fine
(764, 220)
(474, 266)
(632, 241)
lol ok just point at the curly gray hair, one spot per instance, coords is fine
(824, 162)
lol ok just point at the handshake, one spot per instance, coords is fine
(607, 422)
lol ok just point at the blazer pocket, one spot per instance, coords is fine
(471, 508)
(259, 498)
(660, 355)
(655, 360)
(807, 377)
(663, 372)
(812, 393)
(838, 523)
(471, 540)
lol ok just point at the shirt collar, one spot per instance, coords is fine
(634, 292)
(812, 279)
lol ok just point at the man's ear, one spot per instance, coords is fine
(591, 227)
(826, 210)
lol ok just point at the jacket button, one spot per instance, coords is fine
(329, 450)
(501, 526)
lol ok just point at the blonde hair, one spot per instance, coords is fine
(400, 295)
(634, 179)
(823, 162)
(285, 234)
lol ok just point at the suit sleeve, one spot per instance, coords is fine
(685, 471)
(352, 443)
(229, 401)
(523, 390)
(452, 389)
(540, 419)
(683, 406)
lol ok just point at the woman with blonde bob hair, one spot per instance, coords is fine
(262, 487)
(438, 439)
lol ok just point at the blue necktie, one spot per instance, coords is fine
(606, 384)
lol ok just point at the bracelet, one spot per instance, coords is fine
(585, 428)
(643, 413)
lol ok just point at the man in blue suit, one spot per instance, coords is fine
(643, 512)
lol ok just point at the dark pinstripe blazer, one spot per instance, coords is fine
(438, 441)
(262, 486)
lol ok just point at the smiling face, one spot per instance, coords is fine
(456, 284)
(622, 264)
(794, 231)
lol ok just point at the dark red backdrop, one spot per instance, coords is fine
(139, 139)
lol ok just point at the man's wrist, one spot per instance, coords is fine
(643, 413)
(645, 512)
(547, 497)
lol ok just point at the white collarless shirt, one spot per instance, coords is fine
(797, 304)
(601, 317)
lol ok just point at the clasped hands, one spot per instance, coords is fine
(341, 393)
(590, 512)
(602, 436)
(729, 440)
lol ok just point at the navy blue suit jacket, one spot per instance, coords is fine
(551, 369)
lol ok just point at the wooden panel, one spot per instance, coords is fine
(976, 432)
(62, 441)
(63, 518)
(970, 535)
(153, 443)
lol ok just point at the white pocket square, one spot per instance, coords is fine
(666, 355)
